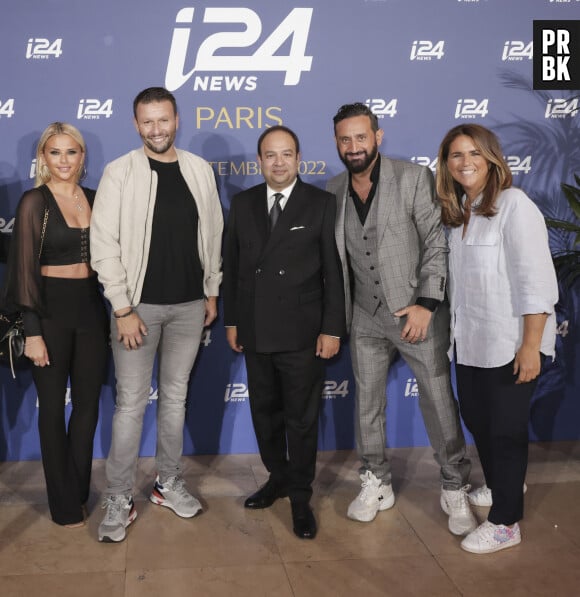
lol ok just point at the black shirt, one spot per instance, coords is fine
(174, 273)
(363, 207)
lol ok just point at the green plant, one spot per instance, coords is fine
(567, 261)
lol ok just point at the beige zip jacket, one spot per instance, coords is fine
(122, 218)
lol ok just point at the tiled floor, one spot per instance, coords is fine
(232, 551)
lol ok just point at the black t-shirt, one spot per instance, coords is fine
(174, 273)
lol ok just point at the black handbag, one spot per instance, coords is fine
(12, 339)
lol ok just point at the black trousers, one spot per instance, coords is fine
(285, 395)
(496, 411)
(76, 334)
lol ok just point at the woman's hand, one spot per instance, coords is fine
(35, 350)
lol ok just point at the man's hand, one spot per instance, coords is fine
(210, 310)
(327, 346)
(232, 338)
(418, 319)
(130, 330)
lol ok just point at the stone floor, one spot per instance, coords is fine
(232, 551)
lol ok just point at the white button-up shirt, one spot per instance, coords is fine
(270, 192)
(499, 272)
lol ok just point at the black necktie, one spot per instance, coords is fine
(276, 210)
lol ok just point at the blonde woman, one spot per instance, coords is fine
(50, 280)
(502, 290)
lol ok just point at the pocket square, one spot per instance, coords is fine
(296, 228)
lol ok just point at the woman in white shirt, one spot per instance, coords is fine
(502, 290)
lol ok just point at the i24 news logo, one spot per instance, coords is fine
(333, 389)
(425, 160)
(518, 164)
(93, 109)
(7, 108)
(236, 392)
(411, 388)
(6, 226)
(40, 48)
(517, 50)
(561, 108)
(212, 53)
(471, 108)
(381, 107)
(427, 50)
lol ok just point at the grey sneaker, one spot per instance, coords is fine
(120, 514)
(173, 494)
(373, 497)
(455, 504)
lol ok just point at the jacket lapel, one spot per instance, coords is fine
(386, 193)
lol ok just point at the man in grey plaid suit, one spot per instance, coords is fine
(394, 256)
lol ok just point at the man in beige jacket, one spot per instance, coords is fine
(156, 233)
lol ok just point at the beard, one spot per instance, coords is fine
(363, 161)
(159, 149)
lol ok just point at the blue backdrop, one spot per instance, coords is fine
(236, 67)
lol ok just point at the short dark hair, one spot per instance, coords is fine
(154, 94)
(356, 109)
(273, 129)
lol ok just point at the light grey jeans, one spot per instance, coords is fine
(174, 334)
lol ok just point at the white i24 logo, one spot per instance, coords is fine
(561, 108)
(470, 108)
(381, 108)
(41, 47)
(94, 109)
(426, 50)
(7, 108)
(211, 58)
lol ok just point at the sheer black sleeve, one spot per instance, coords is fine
(22, 290)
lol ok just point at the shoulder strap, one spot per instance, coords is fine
(45, 220)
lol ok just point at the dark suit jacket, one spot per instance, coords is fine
(283, 290)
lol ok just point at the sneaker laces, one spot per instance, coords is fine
(177, 484)
(369, 483)
(458, 499)
(114, 504)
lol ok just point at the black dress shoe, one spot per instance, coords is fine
(303, 521)
(265, 496)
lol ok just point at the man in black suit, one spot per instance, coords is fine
(284, 308)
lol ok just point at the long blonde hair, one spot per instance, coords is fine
(56, 128)
(450, 191)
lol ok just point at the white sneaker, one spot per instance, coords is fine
(173, 494)
(489, 537)
(482, 496)
(120, 514)
(455, 504)
(374, 496)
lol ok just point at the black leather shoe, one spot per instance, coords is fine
(265, 496)
(303, 521)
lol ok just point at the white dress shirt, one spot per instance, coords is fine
(499, 272)
(286, 192)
